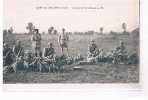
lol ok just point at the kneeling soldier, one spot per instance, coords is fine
(49, 56)
(28, 57)
(18, 52)
(7, 55)
(18, 49)
(120, 53)
(92, 52)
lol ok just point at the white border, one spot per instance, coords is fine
(102, 90)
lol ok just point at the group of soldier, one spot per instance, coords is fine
(118, 55)
(36, 60)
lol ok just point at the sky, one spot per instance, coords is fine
(17, 13)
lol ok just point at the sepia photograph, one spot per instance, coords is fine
(71, 41)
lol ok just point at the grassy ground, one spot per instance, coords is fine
(100, 73)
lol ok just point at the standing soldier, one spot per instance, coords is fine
(63, 41)
(36, 43)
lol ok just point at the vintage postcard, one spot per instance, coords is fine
(71, 41)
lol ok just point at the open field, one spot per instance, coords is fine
(99, 73)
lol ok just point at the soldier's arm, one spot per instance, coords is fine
(59, 40)
(32, 38)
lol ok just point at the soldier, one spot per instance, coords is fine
(36, 43)
(18, 50)
(19, 64)
(101, 55)
(121, 49)
(120, 53)
(63, 41)
(49, 52)
(92, 51)
(49, 55)
(28, 58)
(7, 55)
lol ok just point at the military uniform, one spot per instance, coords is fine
(121, 50)
(18, 50)
(63, 40)
(92, 52)
(49, 57)
(120, 54)
(19, 64)
(49, 52)
(36, 44)
(28, 56)
(7, 56)
(101, 56)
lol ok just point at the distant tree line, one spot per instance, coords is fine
(53, 31)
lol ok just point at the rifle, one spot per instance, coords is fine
(17, 56)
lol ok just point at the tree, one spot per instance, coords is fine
(30, 27)
(124, 27)
(101, 30)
